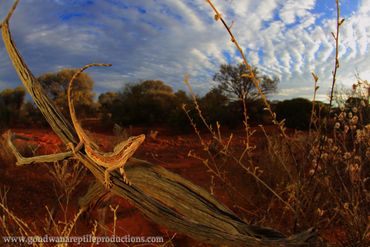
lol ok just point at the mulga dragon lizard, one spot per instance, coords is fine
(110, 160)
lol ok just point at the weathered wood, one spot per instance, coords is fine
(35, 159)
(164, 197)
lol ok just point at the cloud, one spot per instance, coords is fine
(296, 9)
(167, 39)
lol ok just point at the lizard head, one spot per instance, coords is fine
(137, 140)
(130, 145)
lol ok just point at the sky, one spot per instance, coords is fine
(167, 39)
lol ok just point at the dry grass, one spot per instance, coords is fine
(62, 218)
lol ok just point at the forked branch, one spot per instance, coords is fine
(35, 159)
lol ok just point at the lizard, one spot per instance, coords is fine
(110, 160)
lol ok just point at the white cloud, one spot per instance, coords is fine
(364, 8)
(296, 9)
(166, 39)
(303, 91)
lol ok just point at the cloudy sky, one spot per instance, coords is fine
(166, 39)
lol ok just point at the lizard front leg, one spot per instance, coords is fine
(123, 173)
(107, 174)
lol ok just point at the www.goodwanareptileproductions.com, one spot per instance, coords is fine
(88, 238)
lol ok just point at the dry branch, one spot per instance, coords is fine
(164, 197)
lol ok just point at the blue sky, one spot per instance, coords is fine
(166, 39)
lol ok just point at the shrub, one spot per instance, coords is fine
(11, 101)
(296, 112)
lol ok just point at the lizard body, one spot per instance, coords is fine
(110, 160)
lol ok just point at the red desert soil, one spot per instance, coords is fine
(32, 186)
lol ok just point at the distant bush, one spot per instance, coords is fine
(215, 106)
(30, 115)
(56, 84)
(109, 107)
(11, 101)
(153, 102)
(177, 118)
(256, 112)
(296, 112)
(147, 103)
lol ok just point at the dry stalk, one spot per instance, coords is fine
(256, 83)
(23, 228)
(253, 172)
(323, 138)
(251, 74)
(313, 117)
(336, 64)
(114, 210)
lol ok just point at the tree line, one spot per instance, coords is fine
(153, 102)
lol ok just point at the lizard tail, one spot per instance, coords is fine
(80, 132)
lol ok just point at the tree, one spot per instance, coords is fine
(296, 112)
(56, 85)
(147, 102)
(11, 101)
(214, 106)
(108, 100)
(233, 81)
(13, 98)
(110, 107)
(177, 118)
(155, 87)
(30, 115)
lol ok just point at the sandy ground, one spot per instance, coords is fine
(32, 188)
